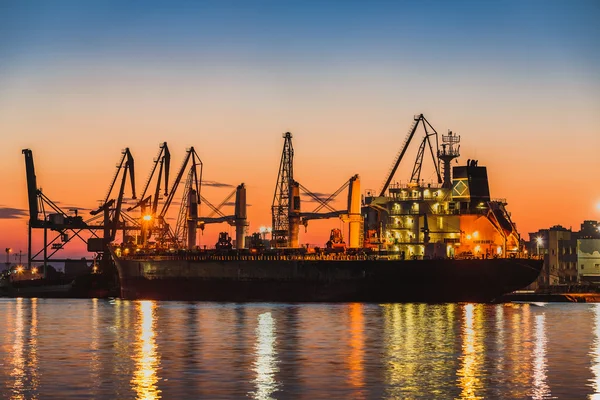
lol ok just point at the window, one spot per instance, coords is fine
(582, 266)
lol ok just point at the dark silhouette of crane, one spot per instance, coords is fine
(426, 142)
(281, 198)
(286, 208)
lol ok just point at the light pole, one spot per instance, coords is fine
(8, 250)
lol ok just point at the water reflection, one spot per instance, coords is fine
(469, 373)
(355, 358)
(145, 376)
(540, 388)
(596, 354)
(418, 342)
(521, 351)
(94, 346)
(18, 361)
(265, 365)
(32, 362)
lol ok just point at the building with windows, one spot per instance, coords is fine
(569, 257)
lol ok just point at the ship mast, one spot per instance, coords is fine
(447, 154)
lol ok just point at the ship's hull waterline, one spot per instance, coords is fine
(381, 281)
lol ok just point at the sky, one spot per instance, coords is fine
(519, 81)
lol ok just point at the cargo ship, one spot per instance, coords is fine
(444, 241)
(275, 277)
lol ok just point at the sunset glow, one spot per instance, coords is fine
(518, 81)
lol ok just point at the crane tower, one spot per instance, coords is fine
(281, 198)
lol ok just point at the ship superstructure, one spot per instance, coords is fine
(455, 218)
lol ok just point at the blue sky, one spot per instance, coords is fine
(298, 34)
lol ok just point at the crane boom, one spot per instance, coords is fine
(31, 187)
(190, 154)
(162, 161)
(400, 155)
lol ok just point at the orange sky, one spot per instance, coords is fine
(524, 96)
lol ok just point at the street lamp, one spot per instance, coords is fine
(538, 241)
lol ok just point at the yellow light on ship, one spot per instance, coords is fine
(34, 270)
(477, 249)
(499, 250)
(476, 234)
(19, 269)
(147, 217)
(468, 237)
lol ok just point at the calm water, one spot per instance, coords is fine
(96, 349)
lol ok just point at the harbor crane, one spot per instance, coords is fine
(148, 205)
(286, 212)
(165, 234)
(430, 133)
(162, 161)
(238, 219)
(46, 215)
(125, 168)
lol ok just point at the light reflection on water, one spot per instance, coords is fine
(145, 377)
(595, 354)
(355, 358)
(149, 350)
(18, 361)
(540, 388)
(265, 365)
(472, 349)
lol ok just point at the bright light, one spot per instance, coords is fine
(34, 270)
(477, 249)
(538, 240)
(147, 217)
(476, 234)
(19, 269)
(468, 237)
(499, 250)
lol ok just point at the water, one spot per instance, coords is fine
(100, 349)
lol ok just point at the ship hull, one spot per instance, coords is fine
(378, 281)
